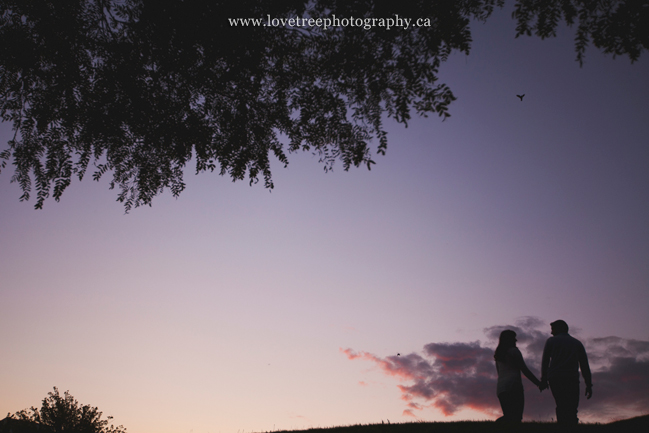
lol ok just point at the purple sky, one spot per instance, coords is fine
(234, 309)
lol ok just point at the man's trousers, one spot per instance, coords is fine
(566, 396)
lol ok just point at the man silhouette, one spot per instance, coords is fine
(563, 356)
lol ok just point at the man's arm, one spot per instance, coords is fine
(585, 371)
(545, 363)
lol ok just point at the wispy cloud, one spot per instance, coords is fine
(449, 377)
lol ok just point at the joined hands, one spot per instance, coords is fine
(543, 385)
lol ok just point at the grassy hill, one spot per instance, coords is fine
(634, 425)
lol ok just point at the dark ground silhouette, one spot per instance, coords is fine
(633, 425)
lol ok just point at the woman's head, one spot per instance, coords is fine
(507, 338)
(506, 341)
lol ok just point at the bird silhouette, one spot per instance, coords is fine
(521, 96)
(398, 354)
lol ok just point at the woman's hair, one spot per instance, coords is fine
(506, 341)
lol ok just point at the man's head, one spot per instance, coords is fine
(559, 327)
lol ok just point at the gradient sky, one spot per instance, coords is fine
(234, 309)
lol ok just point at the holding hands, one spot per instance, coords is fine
(543, 385)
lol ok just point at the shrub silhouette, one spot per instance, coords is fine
(64, 414)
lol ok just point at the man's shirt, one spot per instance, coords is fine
(563, 356)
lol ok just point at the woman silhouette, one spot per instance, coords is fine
(509, 364)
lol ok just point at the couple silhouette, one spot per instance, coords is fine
(563, 356)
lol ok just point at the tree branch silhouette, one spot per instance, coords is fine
(139, 88)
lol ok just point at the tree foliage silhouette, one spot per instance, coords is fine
(618, 27)
(138, 88)
(64, 414)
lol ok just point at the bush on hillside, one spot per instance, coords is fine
(64, 414)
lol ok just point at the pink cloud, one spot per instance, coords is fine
(408, 412)
(406, 367)
(450, 377)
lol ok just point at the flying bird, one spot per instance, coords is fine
(521, 96)
(398, 354)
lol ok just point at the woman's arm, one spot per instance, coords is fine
(520, 363)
